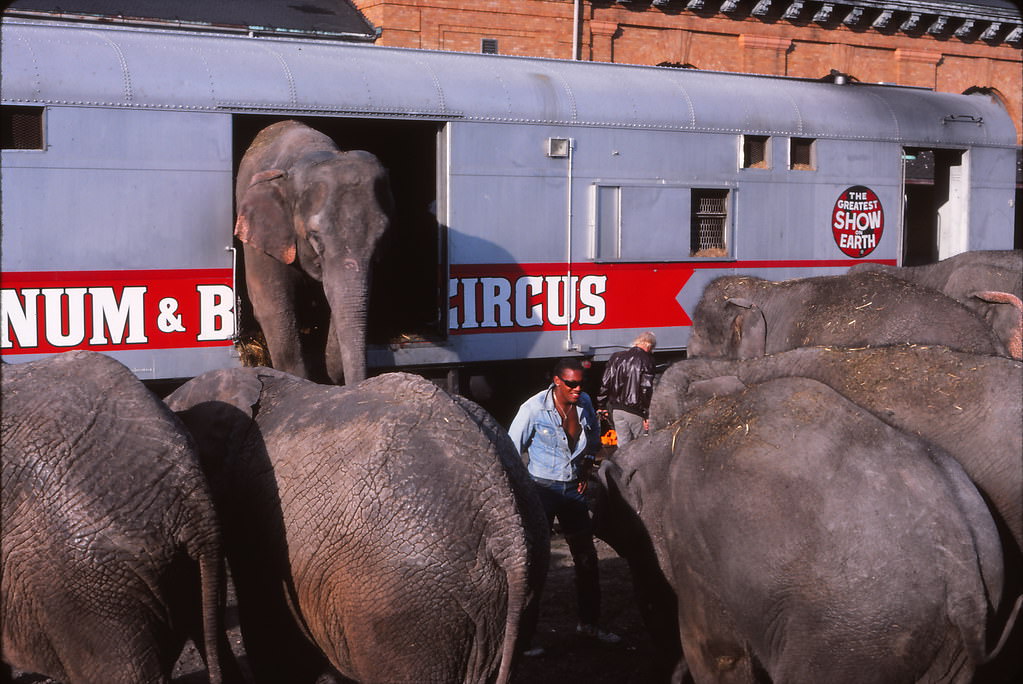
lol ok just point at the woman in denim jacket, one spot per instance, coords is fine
(557, 431)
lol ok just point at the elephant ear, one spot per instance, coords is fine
(237, 387)
(749, 330)
(1003, 311)
(218, 405)
(263, 218)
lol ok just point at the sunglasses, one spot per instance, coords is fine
(570, 384)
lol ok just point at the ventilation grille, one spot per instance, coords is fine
(21, 128)
(709, 220)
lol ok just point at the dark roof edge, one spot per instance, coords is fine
(946, 7)
(197, 25)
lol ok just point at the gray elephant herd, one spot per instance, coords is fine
(379, 532)
(831, 491)
(832, 487)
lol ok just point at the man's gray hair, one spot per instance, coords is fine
(647, 339)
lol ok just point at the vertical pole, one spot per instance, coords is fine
(569, 289)
(576, 21)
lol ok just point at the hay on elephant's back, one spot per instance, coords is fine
(252, 350)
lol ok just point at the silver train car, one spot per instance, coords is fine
(544, 207)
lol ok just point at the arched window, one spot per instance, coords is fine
(990, 92)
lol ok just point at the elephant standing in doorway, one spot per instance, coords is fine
(740, 317)
(309, 210)
(807, 541)
(110, 544)
(988, 282)
(386, 531)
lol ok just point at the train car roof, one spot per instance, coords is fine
(52, 62)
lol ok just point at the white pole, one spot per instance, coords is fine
(569, 285)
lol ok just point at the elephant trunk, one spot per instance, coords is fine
(347, 294)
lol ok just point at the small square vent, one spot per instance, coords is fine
(558, 148)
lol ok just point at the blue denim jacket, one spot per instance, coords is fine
(537, 431)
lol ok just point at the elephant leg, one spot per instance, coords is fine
(273, 290)
(712, 649)
(276, 648)
(587, 575)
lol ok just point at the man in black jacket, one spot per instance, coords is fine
(627, 386)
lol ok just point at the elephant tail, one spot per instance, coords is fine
(518, 606)
(211, 578)
(525, 571)
(1007, 630)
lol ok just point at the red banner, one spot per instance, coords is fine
(533, 297)
(46, 312)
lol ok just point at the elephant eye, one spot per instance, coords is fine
(314, 198)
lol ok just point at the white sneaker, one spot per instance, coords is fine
(594, 632)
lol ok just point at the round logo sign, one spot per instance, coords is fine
(857, 221)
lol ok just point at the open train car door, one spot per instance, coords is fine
(408, 303)
(935, 188)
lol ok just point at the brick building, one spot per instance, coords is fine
(954, 46)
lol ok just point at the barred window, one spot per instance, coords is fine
(21, 128)
(755, 151)
(801, 154)
(488, 46)
(708, 223)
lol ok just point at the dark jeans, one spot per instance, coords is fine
(561, 500)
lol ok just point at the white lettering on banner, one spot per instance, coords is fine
(52, 311)
(504, 304)
(108, 314)
(452, 311)
(65, 315)
(558, 304)
(20, 319)
(216, 312)
(858, 241)
(526, 287)
(496, 300)
(169, 320)
(53, 300)
(857, 221)
(469, 303)
(594, 308)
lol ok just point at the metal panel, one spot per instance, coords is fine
(153, 68)
(120, 176)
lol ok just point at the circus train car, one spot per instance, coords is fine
(543, 207)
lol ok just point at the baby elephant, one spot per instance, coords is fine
(386, 530)
(111, 548)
